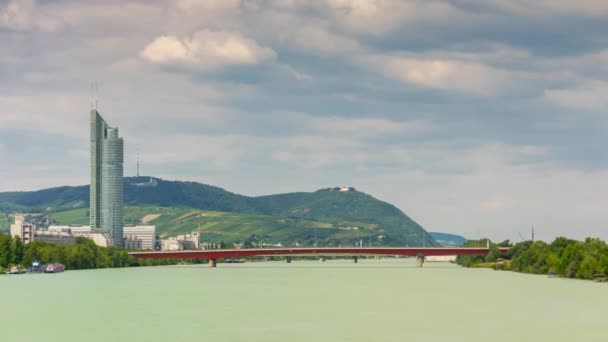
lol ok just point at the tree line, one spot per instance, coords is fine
(82, 255)
(565, 257)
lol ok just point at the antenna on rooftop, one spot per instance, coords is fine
(95, 99)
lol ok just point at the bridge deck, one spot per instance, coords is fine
(385, 251)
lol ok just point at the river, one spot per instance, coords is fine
(374, 300)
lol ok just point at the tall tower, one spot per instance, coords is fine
(107, 155)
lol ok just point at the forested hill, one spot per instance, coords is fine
(328, 205)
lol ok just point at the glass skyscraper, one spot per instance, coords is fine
(107, 150)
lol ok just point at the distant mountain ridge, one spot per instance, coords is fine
(329, 205)
(449, 240)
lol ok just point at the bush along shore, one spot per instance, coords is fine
(561, 258)
(83, 255)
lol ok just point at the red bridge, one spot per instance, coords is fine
(214, 254)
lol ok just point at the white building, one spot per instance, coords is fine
(172, 244)
(25, 231)
(190, 241)
(100, 238)
(144, 236)
(135, 237)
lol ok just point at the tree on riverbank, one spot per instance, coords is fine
(565, 257)
(83, 255)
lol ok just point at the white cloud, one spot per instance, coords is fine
(327, 152)
(17, 15)
(218, 152)
(468, 77)
(245, 135)
(108, 19)
(23, 15)
(207, 50)
(353, 128)
(496, 197)
(208, 5)
(378, 17)
(362, 127)
(50, 113)
(316, 38)
(549, 7)
(493, 203)
(591, 95)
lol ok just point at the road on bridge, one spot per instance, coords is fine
(215, 254)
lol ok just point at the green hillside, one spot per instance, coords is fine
(349, 205)
(238, 227)
(279, 216)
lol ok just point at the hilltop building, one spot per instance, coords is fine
(107, 157)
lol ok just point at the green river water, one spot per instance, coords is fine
(374, 300)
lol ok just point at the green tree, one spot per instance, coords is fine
(17, 250)
(493, 254)
(6, 252)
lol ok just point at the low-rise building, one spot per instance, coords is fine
(100, 238)
(56, 238)
(140, 237)
(190, 241)
(135, 237)
(172, 245)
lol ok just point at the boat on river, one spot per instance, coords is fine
(54, 267)
(16, 270)
(234, 261)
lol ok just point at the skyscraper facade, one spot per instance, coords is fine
(107, 155)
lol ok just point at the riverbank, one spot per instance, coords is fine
(561, 258)
(83, 255)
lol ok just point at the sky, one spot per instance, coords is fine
(477, 117)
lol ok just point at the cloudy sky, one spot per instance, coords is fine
(478, 117)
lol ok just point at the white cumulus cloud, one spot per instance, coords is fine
(207, 50)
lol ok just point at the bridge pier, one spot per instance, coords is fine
(288, 260)
(356, 259)
(420, 259)
(212, 262)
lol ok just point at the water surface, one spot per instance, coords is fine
(374, 300)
